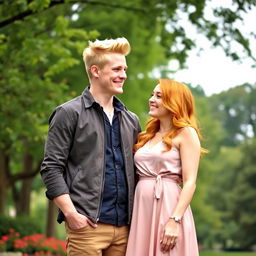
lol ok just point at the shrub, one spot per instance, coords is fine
(23, 225)
(36, 244)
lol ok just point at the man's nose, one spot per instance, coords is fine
(123, 74)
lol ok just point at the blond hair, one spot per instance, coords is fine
(96, 53)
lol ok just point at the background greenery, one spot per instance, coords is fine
(207, 253)
(41, 42)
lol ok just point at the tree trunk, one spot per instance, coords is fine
(26, 186)
(21, 197)
(25, 196)
(4, 183)
(51, 219)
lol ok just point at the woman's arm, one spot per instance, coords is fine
(190, 156)
(189, 146)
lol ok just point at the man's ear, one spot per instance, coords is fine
(95, 71)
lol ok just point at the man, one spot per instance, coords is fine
(88, 165)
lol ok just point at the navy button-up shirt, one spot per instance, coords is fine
(114, 208)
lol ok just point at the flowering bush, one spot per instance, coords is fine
(36, 244)
(2, 246)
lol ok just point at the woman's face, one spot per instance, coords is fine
(156, 108)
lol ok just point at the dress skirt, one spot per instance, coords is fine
(150, 216)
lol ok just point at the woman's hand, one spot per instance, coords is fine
(170, 235)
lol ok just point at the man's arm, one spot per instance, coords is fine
(57, 148)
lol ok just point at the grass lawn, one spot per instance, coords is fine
(227, 253)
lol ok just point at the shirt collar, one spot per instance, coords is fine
(89, 100)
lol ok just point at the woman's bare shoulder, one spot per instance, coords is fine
(189, 134)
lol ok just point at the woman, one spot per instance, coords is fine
(166, 154)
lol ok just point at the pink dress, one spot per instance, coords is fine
(156, 195)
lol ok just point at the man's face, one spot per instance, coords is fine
(113, 75)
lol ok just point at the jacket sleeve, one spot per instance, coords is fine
(137, 127)
(57, 147)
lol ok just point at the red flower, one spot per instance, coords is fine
(36, 243)
(20, 244)
(5, 238)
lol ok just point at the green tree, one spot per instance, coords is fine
(241, 197)
(33, 53)
(221, 31)
(234, 196)
(207, 216)
(237, 111)
(221, 183)
(232, 165)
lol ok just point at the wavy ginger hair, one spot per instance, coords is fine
(178, 99)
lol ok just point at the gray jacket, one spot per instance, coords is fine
(74, 160)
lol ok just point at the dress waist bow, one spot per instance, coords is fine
(159, 183)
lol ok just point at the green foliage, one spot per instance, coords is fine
(237, 111)
(207, 253)
(207, 218)
(23, 225)
(221, 181)
(233, 177)
(243, 194)
(34, 54)
(39, 5)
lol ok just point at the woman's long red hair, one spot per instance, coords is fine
(178, 99)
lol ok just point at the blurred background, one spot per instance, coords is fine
(41, 45)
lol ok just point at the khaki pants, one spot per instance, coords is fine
(105, 240)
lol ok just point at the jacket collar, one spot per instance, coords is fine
(89, 100)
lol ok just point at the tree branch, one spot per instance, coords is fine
(26, 13)
(24, 175)
(20, 16)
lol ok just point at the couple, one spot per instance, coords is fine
(88, 167)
